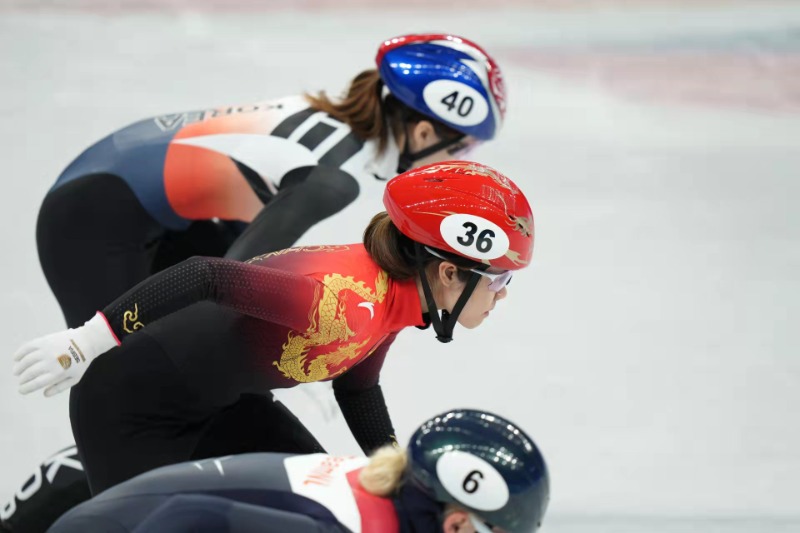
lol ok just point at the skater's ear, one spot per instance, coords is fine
(421, 135)
(457, 521)
(449, 275)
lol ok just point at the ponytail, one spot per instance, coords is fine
(370, 115)
(389, 248)
(394, 252)
(384, 473)
(361, 108)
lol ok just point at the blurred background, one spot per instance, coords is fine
(651, 350)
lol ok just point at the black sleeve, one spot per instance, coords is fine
(277, 296)
(359, 395)
(307, 196)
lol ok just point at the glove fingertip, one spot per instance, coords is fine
(39, 382)
(30, 374)
(24, 350)
(22, 365)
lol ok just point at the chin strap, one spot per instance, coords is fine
(444, 325)
(407, 158)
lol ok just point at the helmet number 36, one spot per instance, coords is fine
(472, 481)
(456, 102)
(484, 240)
(474, 236)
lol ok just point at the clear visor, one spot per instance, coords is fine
(496, 281)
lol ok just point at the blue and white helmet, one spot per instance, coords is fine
(448, 78)
(484, 464)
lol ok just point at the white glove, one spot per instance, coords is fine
(58, 361)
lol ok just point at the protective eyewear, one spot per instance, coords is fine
(496, 281)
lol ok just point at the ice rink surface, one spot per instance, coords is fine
(652, 348)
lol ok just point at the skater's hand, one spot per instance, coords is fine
(57, 361)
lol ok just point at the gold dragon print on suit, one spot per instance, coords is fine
(130, 320)
(317, 248)
(327, 325)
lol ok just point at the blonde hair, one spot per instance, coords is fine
(383, 475)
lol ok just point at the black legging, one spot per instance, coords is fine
(178, 416)
(96, 241)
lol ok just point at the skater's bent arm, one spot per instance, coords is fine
(360, 397)
(307, 196)
(271, 295)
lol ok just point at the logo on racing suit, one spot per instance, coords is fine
(131, 316)
(51, 470)
(369, 306)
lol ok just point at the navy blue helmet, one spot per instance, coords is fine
(483, 463)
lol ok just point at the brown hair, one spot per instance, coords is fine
(369, 115)
(394, 252)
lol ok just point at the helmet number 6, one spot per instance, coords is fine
(470, 484)
(463, 108)
(484, 240)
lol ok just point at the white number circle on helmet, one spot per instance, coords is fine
(455, 102)
(474, 236)
(472, 481)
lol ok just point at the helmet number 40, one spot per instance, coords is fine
(462, 107)
(456, 103)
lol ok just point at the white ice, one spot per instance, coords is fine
(652, 348)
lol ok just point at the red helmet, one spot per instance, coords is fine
(464, 208)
